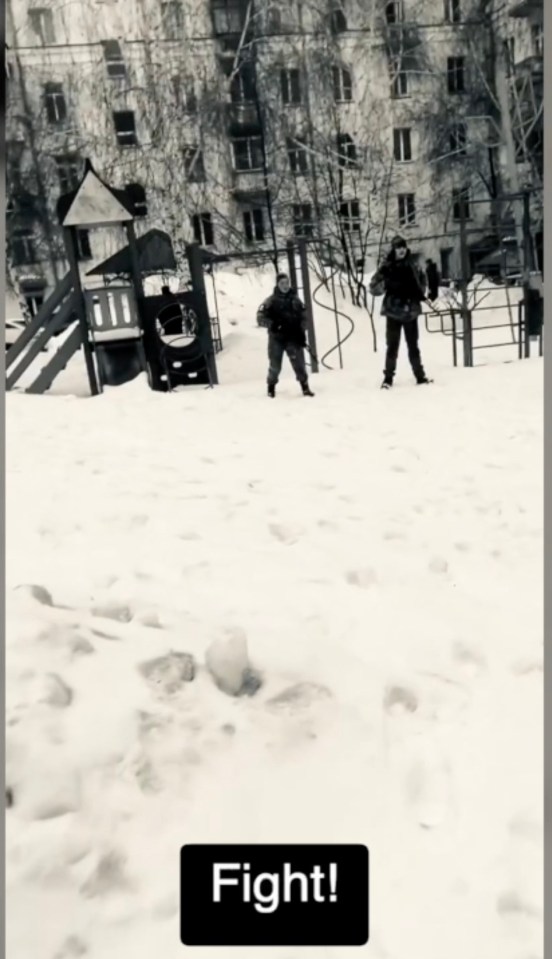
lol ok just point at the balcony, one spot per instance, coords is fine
(229, 17)
(534, 9)
(243, 119)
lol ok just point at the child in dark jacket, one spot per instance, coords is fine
(404, 287)
(286, 318)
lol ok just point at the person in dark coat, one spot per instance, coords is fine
(433, 280)
(287, 334)
(172, 318)
(403, 286)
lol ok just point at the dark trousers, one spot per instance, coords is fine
(296, 355)
(412, 334)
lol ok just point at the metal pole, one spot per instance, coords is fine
(290, 245)
(465, 267)
(454, 343)
(527, 257)
(138, 287)
(308, 304)
(336, 314)
(70, 240)
(195, 263)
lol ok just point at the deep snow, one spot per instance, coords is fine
(382, 554)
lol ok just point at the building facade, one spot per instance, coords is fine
(240, 124)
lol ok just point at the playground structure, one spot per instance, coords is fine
(174, 340)
(118, 328)
(512, 256)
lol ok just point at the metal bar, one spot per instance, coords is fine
(336, 314)
(483, 346)
(454, 340)
(70, 240)
(41, 318)
(40, 341)
(465, 266)
(302, 246)
(195, 263)
(290, 250)
(57, 363)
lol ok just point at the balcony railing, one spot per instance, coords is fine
(527, 8)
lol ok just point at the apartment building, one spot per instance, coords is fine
(242, 124)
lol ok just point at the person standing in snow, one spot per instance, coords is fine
(403, 286)
(433, 279)
(287, 333)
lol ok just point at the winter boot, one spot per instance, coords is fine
(423, 380)
(306, 389)
(271, 391)
(387, 383)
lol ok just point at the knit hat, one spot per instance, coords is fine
(282, 276)
(398, 241)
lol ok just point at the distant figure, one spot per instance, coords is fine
(287, 328)
(403, 286)
(433, 280)
(172, 318)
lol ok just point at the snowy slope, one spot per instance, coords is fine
(382, 553)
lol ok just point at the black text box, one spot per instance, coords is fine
(274, 895)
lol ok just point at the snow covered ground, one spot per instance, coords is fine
(382, 555)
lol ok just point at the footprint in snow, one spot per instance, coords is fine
(400, 699)
(168, 674)
(284, 534)
(362, 578)
(469, 659)
(298, 697)
(113, 610)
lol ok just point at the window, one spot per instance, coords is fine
(337, 19)
(349, 215)
(56, 106)
(137, 197)
(242, 86)
(453, 13)
(458, 139)
(114, 60)
(537, 39)
(202, 225)
(193, 165)
(290, 82)
(302, 219)
(407, 209)
(42, 22)
(23, 247)
(445, 256)
(125, 128)
(273, 20)
(184, 95)
(248, 153)
(399, 81)
(228, 16)
(83, 245)
(342, 85)
(402, 144)
(455, 75)
(394, 11)
(253, 224)
(172, 20)
(298, 156)
(460, 198)
(346, 151)
(69, 171)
